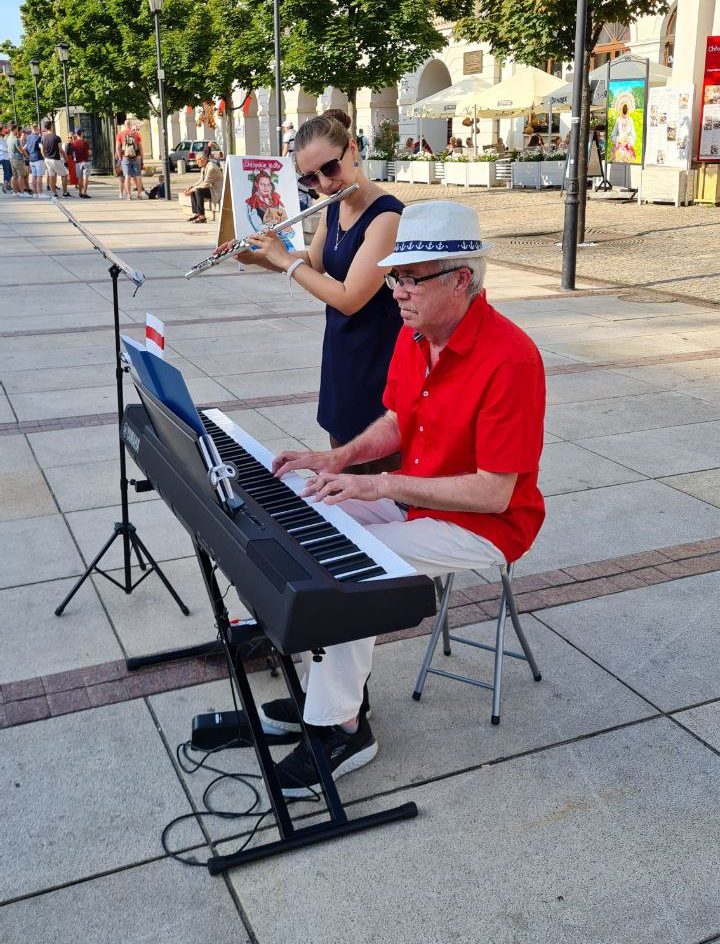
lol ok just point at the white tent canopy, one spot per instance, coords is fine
(456, 99)
(521, 94)
(624, 67)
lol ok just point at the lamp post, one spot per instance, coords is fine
(572, 191)
(156, 9)
(278, 75)
(63, 54)
(11, 82)
(35, 69)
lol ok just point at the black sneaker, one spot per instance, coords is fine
(344, 752)
(280, 716)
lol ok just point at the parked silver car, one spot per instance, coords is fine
(188, 151)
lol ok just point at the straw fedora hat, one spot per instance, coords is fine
(436, 229)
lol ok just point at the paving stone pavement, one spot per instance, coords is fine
(587, 816)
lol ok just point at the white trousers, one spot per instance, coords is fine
(334, 686)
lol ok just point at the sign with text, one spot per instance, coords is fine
(473, 62)
(669, 126)
(709, 138)
(259, 192)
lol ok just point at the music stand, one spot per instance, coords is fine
(124, 528)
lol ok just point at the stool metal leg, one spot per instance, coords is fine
(499, 651)
(440, 626)
(444, 591)
(522, 639)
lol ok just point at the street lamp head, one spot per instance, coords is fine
(35, 66)
(156, 5)
(11, 79)
(63, 52)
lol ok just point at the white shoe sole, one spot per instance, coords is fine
(352, 763)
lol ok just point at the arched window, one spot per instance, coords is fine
(611, 43)
(669, 38)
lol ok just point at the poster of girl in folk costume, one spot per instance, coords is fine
(265, 207)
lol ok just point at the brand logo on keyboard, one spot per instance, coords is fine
(130, 437)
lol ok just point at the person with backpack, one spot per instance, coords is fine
(128, 150)
(362, 143)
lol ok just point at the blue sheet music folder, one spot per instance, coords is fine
(164, 381)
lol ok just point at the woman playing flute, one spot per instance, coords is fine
(362, 318)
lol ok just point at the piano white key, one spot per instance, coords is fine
(394, 565)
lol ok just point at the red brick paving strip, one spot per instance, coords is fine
(252, 403)
(107, 419)
(62, 693)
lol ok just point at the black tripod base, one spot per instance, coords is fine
(309, 836)
(130, 538)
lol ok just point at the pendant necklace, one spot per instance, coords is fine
(338, 237)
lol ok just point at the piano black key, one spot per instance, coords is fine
(354, 562)
(376, 571)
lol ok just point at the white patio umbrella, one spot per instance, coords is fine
(519, 95)
(454, 100)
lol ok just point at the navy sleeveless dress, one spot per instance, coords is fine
(356, 348)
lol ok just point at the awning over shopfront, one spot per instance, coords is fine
(624, 67)
(457, 99)
(519, 95)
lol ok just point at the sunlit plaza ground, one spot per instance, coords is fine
(588, 816)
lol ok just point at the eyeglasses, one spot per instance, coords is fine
(393, 280)
(331, 170)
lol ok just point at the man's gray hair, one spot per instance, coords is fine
(476, 264)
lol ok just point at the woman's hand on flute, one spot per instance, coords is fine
(270, 248)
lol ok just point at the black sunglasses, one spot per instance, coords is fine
(331, 170)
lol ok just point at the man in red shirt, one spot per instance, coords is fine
(83, 153)
(465, 401)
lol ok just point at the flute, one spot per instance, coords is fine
(237, 245)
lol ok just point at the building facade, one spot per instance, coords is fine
(675, 38)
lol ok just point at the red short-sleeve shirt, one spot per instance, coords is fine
(482, 406)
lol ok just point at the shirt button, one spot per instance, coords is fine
(417, 461)
(421, 428)
(425, 393)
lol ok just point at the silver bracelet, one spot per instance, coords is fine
(293, 265)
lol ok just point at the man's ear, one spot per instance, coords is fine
(464, 277)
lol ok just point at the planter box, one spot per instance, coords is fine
(667, 185)
(470, 173)
(526, 174)
(481, 173)
(415, 172)
(456, 174)
(376, 170)
(551, 173)
(403, 171)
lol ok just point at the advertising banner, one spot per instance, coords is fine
(626, 121)
(669, 127)
(260, 192)
(709, 138)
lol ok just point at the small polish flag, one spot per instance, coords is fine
(154, 335)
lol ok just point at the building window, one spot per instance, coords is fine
(669, 44)
(611, 43)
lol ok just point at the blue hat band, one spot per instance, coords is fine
(448, 245)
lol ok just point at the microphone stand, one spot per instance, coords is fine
(123, 529)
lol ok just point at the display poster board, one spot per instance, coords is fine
(709, 138)
(669, 127)
(259, 192)
(626, 121)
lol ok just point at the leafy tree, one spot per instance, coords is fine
(354, 44)
(533, 31)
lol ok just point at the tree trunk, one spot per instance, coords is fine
(583, 156)
(352, 110)
(228, 123)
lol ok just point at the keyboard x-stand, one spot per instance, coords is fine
(289, 599)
